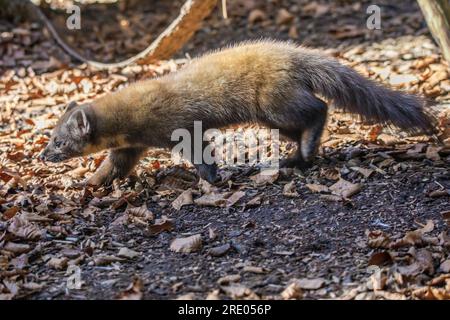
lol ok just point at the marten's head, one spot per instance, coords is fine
(72, 136)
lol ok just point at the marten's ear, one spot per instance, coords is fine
(71, 105)
(79, 122)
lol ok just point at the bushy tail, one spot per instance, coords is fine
(353, 93)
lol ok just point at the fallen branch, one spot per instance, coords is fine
(169, 41)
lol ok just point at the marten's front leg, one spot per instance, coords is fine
(208, 172)
(118, 164)
(310, 113)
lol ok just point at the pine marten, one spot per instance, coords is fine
(276, 84)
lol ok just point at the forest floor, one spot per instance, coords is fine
(370, 220)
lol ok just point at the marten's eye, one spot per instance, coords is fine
(58, 143)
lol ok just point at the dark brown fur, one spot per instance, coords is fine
(272, 83)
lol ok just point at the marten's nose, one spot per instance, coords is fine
(42, 156)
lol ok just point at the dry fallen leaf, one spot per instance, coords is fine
(213, 295)
(423, 263)
(292, 291)
(234, 198)
(79, 172)
(185, 198)
(229, 279)
(254, 269)
(415, 237)
(437, 77)
(13, 289)
(254, 202)
(17, 248)
(265, 177)
(134, 291)
(238, 291)
(365, 172)
(58, 263)
(400, 80)
(388, 140)
(374, 132)
(284, 17)
(310, 284)
(380, 258)
(187, 245)
(206, 187)
(445, 266)
(10, 212)
(345, 188)
(316, 9)
(103, 260)
(21, 228)
(346, 31)
(256, 15)
(187, 296)
(430, 293)
(161, 225)
(213, 200)
(377, 281)
(142, 213)
(289, 190)
(330, 173)
(128, 253)
(317, 187)
(378, 239)
(432, 153)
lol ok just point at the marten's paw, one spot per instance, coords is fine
(208, 172)
(98, 179)
(294, 162)
(105, 176)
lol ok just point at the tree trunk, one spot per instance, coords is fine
(437, 15)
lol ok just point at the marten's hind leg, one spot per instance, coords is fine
(311, 113)
(118, 164)
(310, 138)
(295, 160)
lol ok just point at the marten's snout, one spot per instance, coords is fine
(48, 154)
(43, 155)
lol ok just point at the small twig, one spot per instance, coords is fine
(224, 9)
